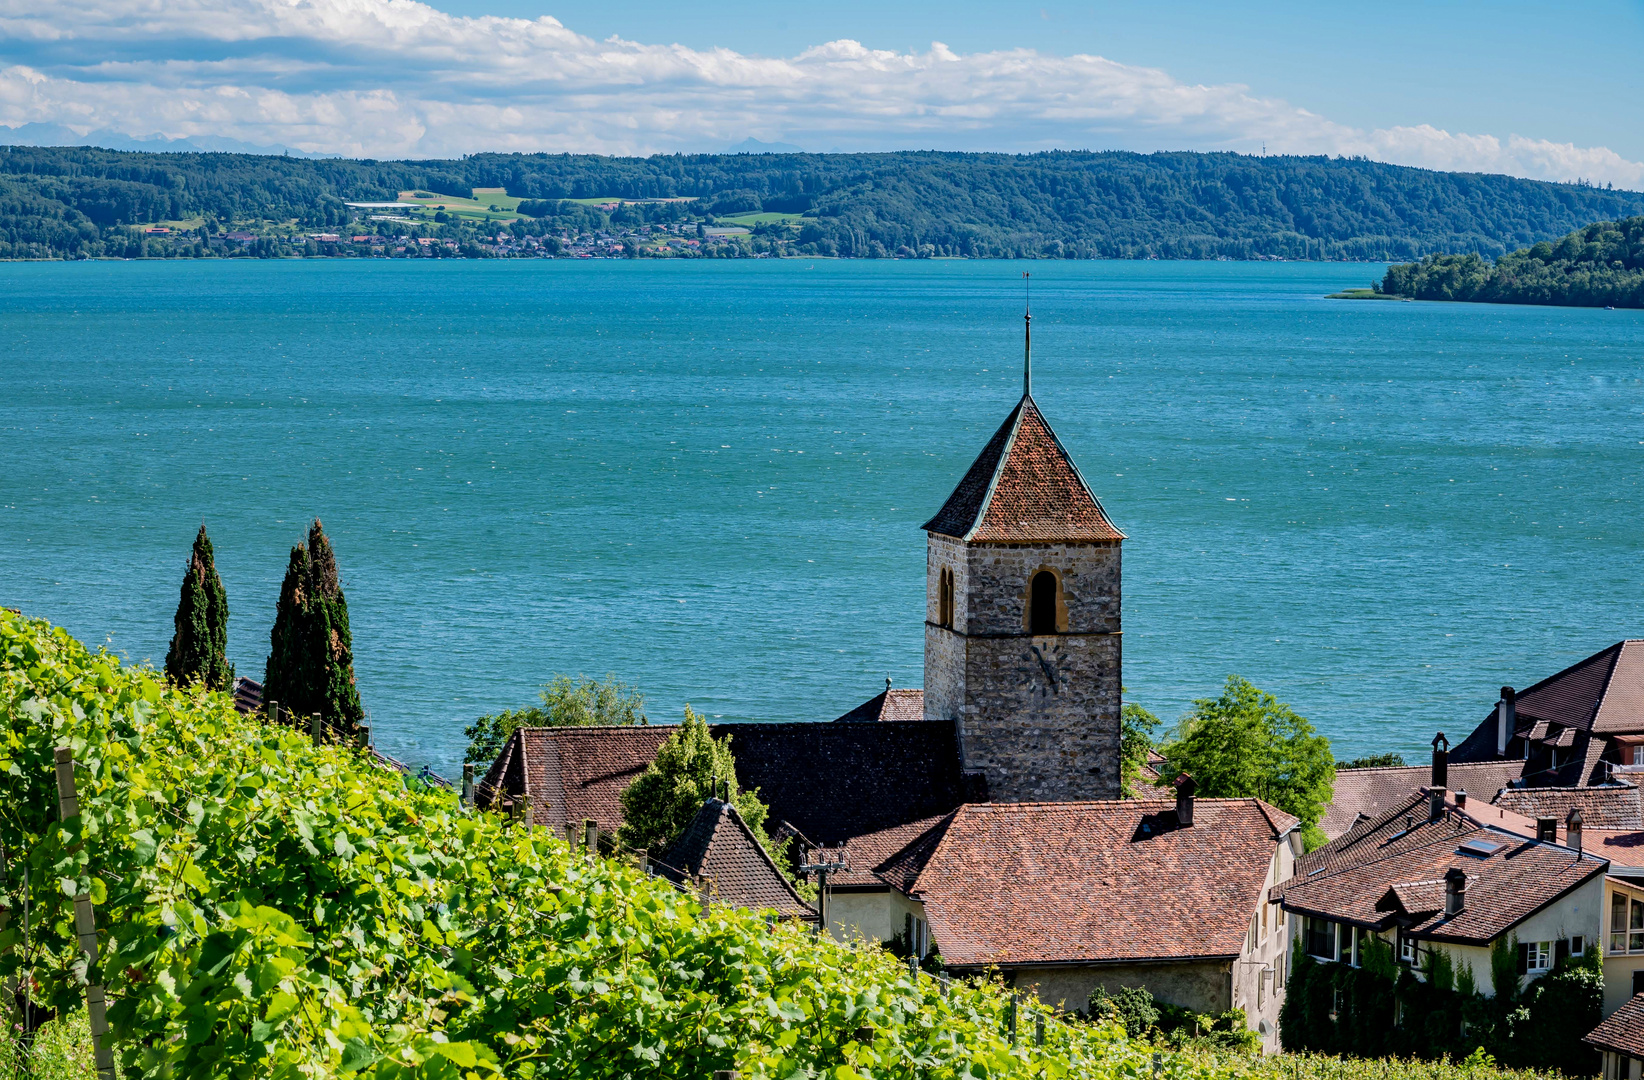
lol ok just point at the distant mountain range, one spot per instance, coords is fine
(74, 201)
(38, 134)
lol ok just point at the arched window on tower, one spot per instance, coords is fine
(944, 598)
(1042, 604)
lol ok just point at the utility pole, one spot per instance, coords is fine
(822, 870)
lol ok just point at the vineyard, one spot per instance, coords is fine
(268, 908)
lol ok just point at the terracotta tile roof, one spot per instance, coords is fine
(717, 849)
(1623, 847)
(892, 705)
(829, 781)
(1371, 791)
(1023, 487)
(1352, 878)
(1027, 883)
(573, 773)
(1612, 807)
(892, 856)
(1622, 1032)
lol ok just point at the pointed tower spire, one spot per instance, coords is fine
(1027, 339)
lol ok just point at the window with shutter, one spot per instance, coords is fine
(1523, 959)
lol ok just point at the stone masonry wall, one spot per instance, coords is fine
(1038, 715)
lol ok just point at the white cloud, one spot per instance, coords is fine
(391, 78)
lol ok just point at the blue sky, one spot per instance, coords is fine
(1531, 89)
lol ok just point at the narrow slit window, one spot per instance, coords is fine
(1042, 604)
(944, 599)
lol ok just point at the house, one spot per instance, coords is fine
(1580, 725)
(1439, 872)
(1063, 898)
(718, 855)
(1620, 1038)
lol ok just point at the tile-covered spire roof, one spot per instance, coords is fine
(1023, 487)
(718, 849)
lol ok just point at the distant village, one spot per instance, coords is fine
(985, 824)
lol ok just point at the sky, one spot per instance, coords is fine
(1540, 90)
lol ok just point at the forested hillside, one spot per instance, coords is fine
(1601, 265)
(79, 202)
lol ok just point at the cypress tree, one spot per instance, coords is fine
(199, 647)
(311, 652)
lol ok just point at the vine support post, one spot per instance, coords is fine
(315, 729)
(364, 736)
(468, 784)
(1010, 1017)
(85, 925)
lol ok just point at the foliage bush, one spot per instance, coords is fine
(1337, 1009)
(566, 702)
(268, 908)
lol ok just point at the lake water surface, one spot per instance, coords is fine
(708, 477)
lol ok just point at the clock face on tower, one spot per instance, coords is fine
(1044, 674)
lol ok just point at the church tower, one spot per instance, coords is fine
(1022, 617)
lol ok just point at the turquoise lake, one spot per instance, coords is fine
(709, 477)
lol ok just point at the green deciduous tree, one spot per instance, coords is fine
(199, 647)
(658, 805)
(311, 652)
(1136, 737)
(566, 702)
(1373, 761)
(1248, 743)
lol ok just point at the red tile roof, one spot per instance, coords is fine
(1023, 487)
(883, 857)
(1622, 1032)
(1603, 694)
(1033, 883)
(1371, 791)
(572, 773)
(892, 705)
(1401, 853)
(719, 851)
(1623, 847)
(1611, 807)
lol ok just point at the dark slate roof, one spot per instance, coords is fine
(889, 706)
(829, 781)
(1368, 792)
(1614, 806)
(1380, 872)
(1622, 1032)
(719, 853)
(1603, 694)
(1023, 487)
(1085, 882)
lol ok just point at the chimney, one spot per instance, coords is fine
(1461, 799)
(1572, 829)
(1441, 761)
(1506, 720)
(1455, 891)
(1435, 803)
(1184, 799)
(1547, 829)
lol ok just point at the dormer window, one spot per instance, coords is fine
(1042, 604)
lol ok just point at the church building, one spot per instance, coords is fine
(1022, 677)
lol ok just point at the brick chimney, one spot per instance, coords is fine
(1547, 829)
(1506, 719)
(1455, 891)
(1185, 786)
(1572, 828)
(1461, 799)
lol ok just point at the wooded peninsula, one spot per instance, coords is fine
(1601, 265)
(81, 202)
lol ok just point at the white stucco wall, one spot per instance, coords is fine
(872, 916)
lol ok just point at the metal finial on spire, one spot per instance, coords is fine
(1027, 337)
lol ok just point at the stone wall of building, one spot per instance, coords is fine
(1203, 986)
(1039, 715)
